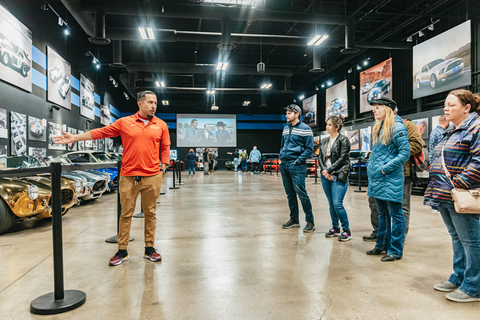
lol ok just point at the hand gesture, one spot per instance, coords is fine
(64, 138)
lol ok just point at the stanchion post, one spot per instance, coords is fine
(60, 300)
(359, 176)
(316, 170)
(174, 173)
(179, 169)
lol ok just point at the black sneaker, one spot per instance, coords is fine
(371, 237)
(345, 236)
(310, 227)
(333, 232)
(291, 224)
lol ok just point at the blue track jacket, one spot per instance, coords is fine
(297, 143)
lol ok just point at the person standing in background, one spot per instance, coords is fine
(436, 135)
(255, 157)
(243, 160)
(236, 156)
(205, 161)
(192, 162)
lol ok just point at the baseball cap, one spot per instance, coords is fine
(293, 108)
(385, 101)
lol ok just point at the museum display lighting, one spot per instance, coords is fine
(266, 86)
(323, 85)
(126, 96)
(210, 91)
(329, 83)
(146, 33)
(46, 6)
(421, 32)
(160, 84)
(317, 40)
(222, 66)
(246, 103)
(301, 97)
(165, 102)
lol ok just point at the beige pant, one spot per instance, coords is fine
(149, 187)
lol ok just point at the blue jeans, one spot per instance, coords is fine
(465, 232)
(335, 192)
(391, 227)
(294, 184)
(244, 164)
(235, 163)
(191, 167)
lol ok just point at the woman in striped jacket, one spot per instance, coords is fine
(461, 152)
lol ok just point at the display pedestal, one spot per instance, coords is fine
(47, 304)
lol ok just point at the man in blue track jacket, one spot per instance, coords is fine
(296, 148)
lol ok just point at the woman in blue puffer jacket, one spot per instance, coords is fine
(390, 150)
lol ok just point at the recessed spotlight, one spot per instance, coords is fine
(246, 103)
(210, 91)
(146, 33)
(323, 86)
(165, 102)
(301, 97)
(329, 83)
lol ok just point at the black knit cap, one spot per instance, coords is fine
(385, 101)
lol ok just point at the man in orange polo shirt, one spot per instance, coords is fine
(146, 147)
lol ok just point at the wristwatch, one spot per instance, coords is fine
(164, 171)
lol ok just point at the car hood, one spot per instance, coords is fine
(14, 187)
(442, 65)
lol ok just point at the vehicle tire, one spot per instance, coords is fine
(24, 71)
(433, 81)
(7, 218)
(5, 59)
(388, 90)
(418, 84)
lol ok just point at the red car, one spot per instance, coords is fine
(271, 165)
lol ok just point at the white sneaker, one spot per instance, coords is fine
(446, 286)
(460, 296)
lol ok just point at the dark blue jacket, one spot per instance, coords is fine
(191, 158)
(297, 143)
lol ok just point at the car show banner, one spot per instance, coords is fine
(59, 75)
(375, 82)
(15, 51)
(87, 104)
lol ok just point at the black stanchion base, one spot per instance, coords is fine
(114, 239)
(139, 215)
(162, 193)
(47, 304)
(174, 188)
(359, 191)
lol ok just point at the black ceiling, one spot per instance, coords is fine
(187, 33)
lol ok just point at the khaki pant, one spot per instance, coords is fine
(149, 187)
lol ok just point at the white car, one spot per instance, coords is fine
(55, 73)
(366, 87)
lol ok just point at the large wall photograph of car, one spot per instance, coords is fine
(15, 51)
(72, 146)
(37, 152)
(200, 130)
(18, 133)
(54, 129)
(3, 124)
(336, 100)
(37, 129)
(105, 115)
(366, 138)
(443, 63)
(375, 82)
(309, 110)
(109, 145)
(354, 137)
(87, 104)
(59, 75)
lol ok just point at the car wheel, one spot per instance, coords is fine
(433, 81)
(24, 70)
(5, 59)
(388, 89)
(418, 84)
(7, 218)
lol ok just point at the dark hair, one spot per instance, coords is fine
(193, 120)
(336, 121)
(142, 94)
(467, 97)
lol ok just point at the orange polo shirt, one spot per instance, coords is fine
(142, 144)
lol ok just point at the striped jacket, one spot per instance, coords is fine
(297, 143)
(462, 159)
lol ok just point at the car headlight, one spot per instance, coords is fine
(33, 192)
(78, 186)
(84, 182)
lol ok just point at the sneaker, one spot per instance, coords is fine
(310, 227)
(446, 286)
(334, 232)
(371, 237)
(152, 254)
(291, 224)
(119, 257)
(345, 236)
(460, 296)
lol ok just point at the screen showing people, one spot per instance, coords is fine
(196, 130)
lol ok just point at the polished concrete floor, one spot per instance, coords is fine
(225, 256)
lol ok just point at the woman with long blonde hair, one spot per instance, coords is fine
(390, 150)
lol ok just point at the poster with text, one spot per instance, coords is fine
(59, 75)
(18, 133)
(422, 125)
(81, 144)
(87, 95)
(16, 51)
(3, 124)
(366, 138)
(72, 146)
(37, 129)
(354, 137)
(38, 152)
(336, 102)
(309, 110)
(443, 63)
(375, 82)
(105, 115)
(54, 129)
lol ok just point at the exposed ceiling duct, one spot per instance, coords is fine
(226, 43)
(117, 55)
(316, 61)
(99, 29)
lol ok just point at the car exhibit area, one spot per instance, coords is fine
(231, 264)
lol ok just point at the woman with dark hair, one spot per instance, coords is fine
(192, 162)
(334, 164)
(458, 153)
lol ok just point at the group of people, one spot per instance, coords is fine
(210, 134)
(455, 163)
(241, 157)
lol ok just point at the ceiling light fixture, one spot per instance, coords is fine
(95, 61)
(431, 27)
(266, 86)
(165, 102)
(409, 39)
(323, 85)
(210, 91)
(246, 103)
(160, 84)
(317, 40)
(421, 33)
(46, 6)
(222, 66)
(146, 33)
(301, 97)
(329, 83)
(126, 96)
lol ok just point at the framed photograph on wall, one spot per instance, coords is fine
(375, 82)
(59, 78)
(72, 146)
(105, 115)
(422, 125)
(354, 137)
(18, 133)
(87, 96)
(3, 124)
(366, 139)
(38, 152)
(336, 103)
(81, 144)
(16, 51)
(37, 129)
(54, 129)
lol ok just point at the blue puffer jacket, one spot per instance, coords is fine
(389, 159)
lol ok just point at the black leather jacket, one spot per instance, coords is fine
(339, 155)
